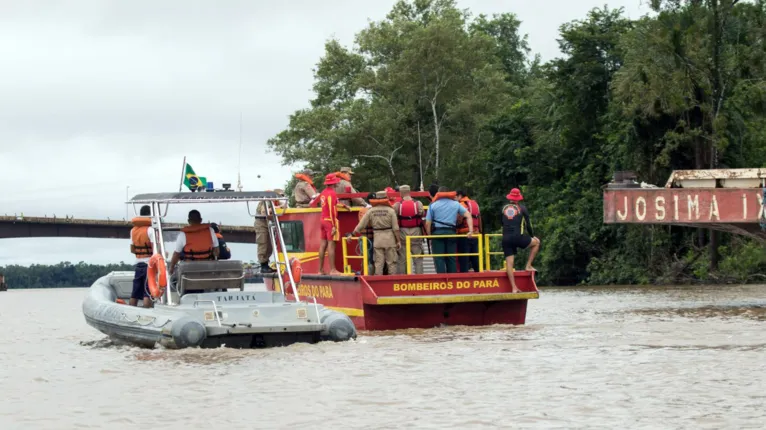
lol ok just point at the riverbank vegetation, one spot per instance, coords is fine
(68, 275)
(62, 275)
(434, 92)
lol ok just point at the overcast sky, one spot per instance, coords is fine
(100, 95)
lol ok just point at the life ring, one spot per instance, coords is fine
(296, 270)
(156, 276)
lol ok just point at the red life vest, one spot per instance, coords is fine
(408, 214)
(473, 208)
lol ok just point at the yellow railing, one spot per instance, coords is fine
(488, 253)
(364, 257)
(479, 254)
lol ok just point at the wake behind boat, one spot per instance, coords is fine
(204, 304)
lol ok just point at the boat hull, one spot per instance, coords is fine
(421, 301)
(241, 319)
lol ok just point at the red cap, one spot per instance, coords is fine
(331, 179)
(514, 195)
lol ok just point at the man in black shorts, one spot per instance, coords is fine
(517, 234)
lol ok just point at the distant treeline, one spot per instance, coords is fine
(64, 274)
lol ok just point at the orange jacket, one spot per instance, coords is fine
(139, 237)
(199, 243)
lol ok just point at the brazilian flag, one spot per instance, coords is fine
(192, 181)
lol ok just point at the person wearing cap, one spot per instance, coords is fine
(329, 230)
(262, 237)
(441, 220)
(345, 187)
(517, 234)
(409, 213)
(369, 233)
(224, 253)
(382, 218)
(304, 191)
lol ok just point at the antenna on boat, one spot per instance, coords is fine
(239, 166)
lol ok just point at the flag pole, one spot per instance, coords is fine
(183, 174)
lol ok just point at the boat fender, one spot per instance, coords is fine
(339, 327)
(188, 332)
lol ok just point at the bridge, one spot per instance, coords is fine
(24, 226)
(729, 200)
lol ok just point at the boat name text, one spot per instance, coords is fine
(318, 291)
(448, 285)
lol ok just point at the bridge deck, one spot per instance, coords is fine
(25, 226)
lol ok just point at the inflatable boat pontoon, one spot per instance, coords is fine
(205, 303)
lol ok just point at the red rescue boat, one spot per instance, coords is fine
(391, 302)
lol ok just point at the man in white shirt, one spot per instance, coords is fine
(196, 241)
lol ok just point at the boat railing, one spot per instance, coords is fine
(488, 253)
(364, 257)
(481, 253)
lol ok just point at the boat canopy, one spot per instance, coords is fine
(207, 197)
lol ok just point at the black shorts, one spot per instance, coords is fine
(512, 243)
(139, 282)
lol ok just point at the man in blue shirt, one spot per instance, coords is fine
(441, 219)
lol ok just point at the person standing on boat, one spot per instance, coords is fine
(369, 233)
(304, 191)
(141, 241)
(330, 228)
(345, 187)
(262, 237)
(224, 253)
(382, 218)
(465, 245)
(410, 216)
(441, 220)
(196, 241)
(515, 218)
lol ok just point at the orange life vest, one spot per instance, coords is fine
(199, 244)
(380, 202)
(306, 179)
(342, 175)
(445, 195)
(368, 231)
(408, 214)
(473, 208)
(139, 237)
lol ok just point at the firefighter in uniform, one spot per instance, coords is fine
(304, 191)
(262, 238)
(345, 187)
(466, 245)
(382, 218)
(410, 215)
(369, 233)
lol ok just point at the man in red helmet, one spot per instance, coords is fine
(329, 231)
(517, 234)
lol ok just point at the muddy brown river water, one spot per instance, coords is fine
(608, 357)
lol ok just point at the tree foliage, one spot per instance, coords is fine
(61, 275)
(433, 89)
